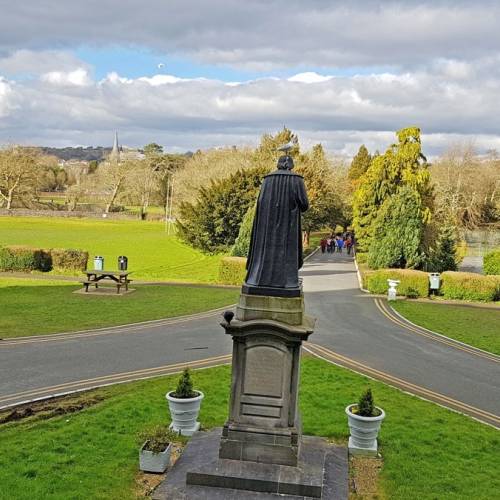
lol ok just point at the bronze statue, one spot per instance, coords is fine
(275, 254)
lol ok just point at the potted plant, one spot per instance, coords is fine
(154, 455)
(364, 419)
(184, 405)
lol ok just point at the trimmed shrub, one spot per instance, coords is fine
(69, 259)
(413, 283)
(25, 259)
(470, 286)
(232, 270)
(361, 257)
(491, 262)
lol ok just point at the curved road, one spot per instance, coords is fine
(353, 329)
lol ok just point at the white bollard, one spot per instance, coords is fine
(391, 293)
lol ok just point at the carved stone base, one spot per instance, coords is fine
(199, 473)
(285, 310)
(270, 446)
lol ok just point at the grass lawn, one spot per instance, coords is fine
(35, 307)
(474, 326)
(429, 452)
(152, 254)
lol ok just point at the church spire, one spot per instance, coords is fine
(115, 152)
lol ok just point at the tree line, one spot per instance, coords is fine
(406, 211)
(409, 213)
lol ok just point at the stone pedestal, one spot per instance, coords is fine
(260, 452)
(264, 425)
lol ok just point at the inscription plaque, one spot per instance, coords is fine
(264, 371)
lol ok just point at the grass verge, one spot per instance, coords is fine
(429, 452)
(37, 307)
(152, 253)
(474, 326)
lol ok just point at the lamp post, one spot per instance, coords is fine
(168, 203)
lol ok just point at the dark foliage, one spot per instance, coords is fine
(366, 406)
(185, 386)
(212, 223)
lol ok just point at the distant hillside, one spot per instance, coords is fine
(85, 154)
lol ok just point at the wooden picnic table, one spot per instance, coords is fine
(95, 277)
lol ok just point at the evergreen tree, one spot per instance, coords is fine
(242, 244)
(398, 230)
(212, 222)
(403, 164)
(360, 163)
(444, 256)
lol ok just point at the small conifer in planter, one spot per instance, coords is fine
(366, 406)
(185, 386)
(364, 421)
(184, 404)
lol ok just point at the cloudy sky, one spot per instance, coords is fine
(194, 74)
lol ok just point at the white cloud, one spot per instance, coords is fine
(6, 93)
(309, 77)
(79, 77)
(29, 62)
(64, 108)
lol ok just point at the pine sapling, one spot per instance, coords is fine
(366, 407)
(185, 386)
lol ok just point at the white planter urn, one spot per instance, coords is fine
(364, 432)
(392, 292)
(154, 462)
(184, 413)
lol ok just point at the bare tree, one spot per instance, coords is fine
(467, 186)
(18, 174)
(112, 179)
(206, 166)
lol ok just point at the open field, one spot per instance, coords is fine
(37, 307)
(474, 326)
(429, 452)
(152, 254)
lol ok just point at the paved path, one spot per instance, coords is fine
(353, 329)
(366, 335)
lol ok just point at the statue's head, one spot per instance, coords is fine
(285, 163)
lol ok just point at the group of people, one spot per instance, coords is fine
(337, 243)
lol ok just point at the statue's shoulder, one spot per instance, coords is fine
(281, 172)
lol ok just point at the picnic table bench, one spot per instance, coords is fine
(117, 278)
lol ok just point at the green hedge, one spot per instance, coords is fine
(491, 262)
(232, 270)
(470, 286)
(21, 258)
(361, 257)
(68, 259)
(413, 283)
(26, 259)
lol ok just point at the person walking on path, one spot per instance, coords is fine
(322, 244)
(340, 243)
(329, 244)
(348, 244)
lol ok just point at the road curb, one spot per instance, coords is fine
(358, 273)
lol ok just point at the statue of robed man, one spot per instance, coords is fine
(275, 254)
